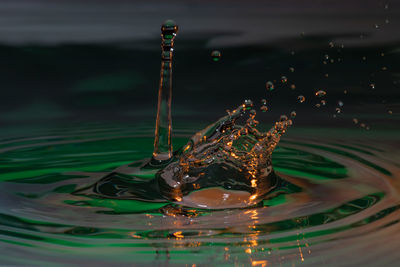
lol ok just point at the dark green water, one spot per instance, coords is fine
(345, 201)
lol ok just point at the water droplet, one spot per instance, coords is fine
(291, 69)
(318, 105)
(384, 68)
(326, 56)
(340, 103)
(326, 75)
(216, 55)
(386, 21)
(292, 86)
(284, 79)
(301, 98)
(355, 120)
(390, 112)
(331, 44)
(320, 93)
(364, 58)
(372, 85)
(376, 26)
(323, 102)
(293, 114)
(345, 91)
(338, 110)
(283, 118)
(270, 86)
(248, 104)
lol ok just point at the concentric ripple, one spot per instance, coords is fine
(341, 200)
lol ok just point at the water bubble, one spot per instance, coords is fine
(372, 85)
(320, 93)
(270, 86)
(323, 102)
(216, 55)
(248, 104)
(283, 118)
(301, 98)
(284, 79)
(338, 110)
(340, 103)
(291, 69)
(292, 86)
(293, 114)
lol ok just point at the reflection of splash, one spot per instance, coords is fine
(224, 165)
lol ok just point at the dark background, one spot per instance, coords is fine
(98, 61)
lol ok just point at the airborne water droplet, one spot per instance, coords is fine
(320, 93)
(301, 98)
(216, 55)
(291, 69)
(270, 86)
(340, 103)
(283, 118)
(323, 102)
(293, 114)
(372, 85)
(338, 110)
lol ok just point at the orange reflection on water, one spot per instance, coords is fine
(263, 263)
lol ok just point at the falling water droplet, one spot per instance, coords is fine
(372, 85)
(216, 55)
(284, 79)
(320, 93)
(293, 114)
(340, 103)
(270, 86)
(283, 118)
(301, 98)
(248, 104)
(264, 107)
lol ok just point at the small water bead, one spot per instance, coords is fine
(293, 114)
(283, 118)
(372, 85)
(320, 93)
(338, 110)
(248, 104)
(355, 120)
(216, 55)
(323, 102)
(291, 69)
(284, 79)
(340, 103)
(270, 86)
(326, 56)
(301, 98)
(376, 26)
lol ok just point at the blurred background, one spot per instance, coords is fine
(92, 61)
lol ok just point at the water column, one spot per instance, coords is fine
(162, 141)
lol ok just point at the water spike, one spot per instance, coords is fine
(162, 140)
